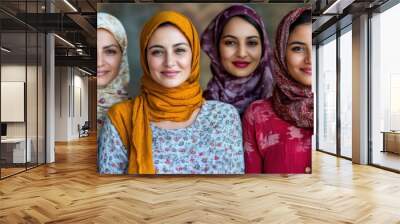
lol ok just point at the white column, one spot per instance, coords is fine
(50, 110)
(50, 93)
(360, 90)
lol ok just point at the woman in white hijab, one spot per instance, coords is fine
(112, 64)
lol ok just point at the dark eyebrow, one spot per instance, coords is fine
(296, 42)
(111, 45)
(159, 46)
(155, 46)
(175, 45)
(229, 36)
(253, 37)
(249, 37)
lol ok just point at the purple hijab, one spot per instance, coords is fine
(225, 87)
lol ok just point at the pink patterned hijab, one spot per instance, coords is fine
(292, 101)
(225, 87)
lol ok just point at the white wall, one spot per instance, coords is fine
(80, 110)
(33, 126)
(15, 72)
(61, 103)
(71, 102)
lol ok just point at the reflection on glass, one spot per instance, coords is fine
(385, 88)
(41, 99)
(23, 84)
(327, 97)
(13, 85)
(31, 101)
(346, 94)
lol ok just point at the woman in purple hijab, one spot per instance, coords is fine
(240, 54)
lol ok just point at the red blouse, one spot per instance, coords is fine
(273, 145)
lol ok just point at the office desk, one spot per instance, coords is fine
(16, 147)
(391, 141)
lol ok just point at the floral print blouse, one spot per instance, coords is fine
(273, 145)
(212, 144)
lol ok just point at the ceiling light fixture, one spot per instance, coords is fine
(70, 5)
(65, 41)
(5, 49)
(86, 72)
(337, 7)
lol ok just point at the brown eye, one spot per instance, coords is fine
(298, 49)
(156, 53)
(252, 43)
(180, 51)
(229, 43)
(110, 52)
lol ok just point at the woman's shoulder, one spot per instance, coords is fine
(218, 107)
(121, 107)
(256, 106)
(218, 116)
(213, 112)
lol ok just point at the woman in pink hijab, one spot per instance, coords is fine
(277, 131)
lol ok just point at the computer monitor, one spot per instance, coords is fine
(3, 129)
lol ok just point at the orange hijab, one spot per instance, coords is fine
(157, 103)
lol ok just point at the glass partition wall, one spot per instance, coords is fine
(346, 92)
(326, 103)
(13, 87)
(385, 89)
(22, 88)
(334, 90)
(334, 94)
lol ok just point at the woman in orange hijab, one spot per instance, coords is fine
(169, 128)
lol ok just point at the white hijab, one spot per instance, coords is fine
(116, 90)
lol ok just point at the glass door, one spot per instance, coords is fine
(327, 96)
(385, 89)
(346, 92)
(22, 88)
(13, 105)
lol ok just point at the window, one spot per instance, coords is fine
(385, 88)
(327, 96)
(22, 67)
(346, 92)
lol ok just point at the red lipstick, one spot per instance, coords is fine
(241, 64)
(307, 70)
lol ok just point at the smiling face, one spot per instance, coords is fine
(240, 47)
(298, 54)
(109, 57)
(169, 56)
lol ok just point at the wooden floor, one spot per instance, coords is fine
(10, 171)
(5, 172)
(387, 159)
(70, 191)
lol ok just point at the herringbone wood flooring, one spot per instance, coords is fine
(70, 191)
